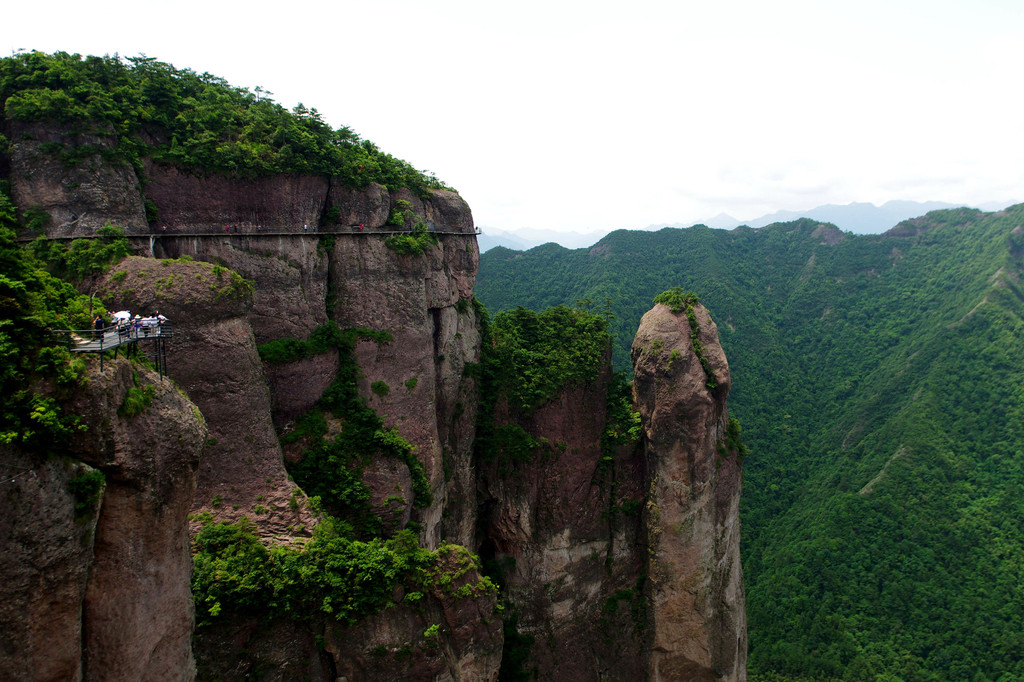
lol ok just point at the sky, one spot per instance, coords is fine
(592, 116)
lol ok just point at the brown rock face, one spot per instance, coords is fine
(370, 206)
(138, 605)
(444, 211)
(46, 555)
(289, 274)
(86, 195)
(190, 203)
(296, 386)
(206, 203)
(213, 357)
(103, 593)
(81, 198)
(446, 637)
(268, 650)
(424, 302)
(698, 622)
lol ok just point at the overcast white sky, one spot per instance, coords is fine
(596, 115)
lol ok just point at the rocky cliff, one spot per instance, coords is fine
(423, 304)
(617, 562)
(622, 560)
(76, 197)
(96, 563)
(72, 199)
(691, 516)
(554, 525)
(213, 358)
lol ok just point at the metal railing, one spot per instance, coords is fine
(116, 336)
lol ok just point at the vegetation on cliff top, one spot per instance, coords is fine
(879, 381)
(83, 257)
(527, 358)
(195, 121)
(536, 354)
(679, 301)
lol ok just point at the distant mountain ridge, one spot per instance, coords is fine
(857, 217)
(528, 237)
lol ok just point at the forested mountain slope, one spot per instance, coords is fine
(880, 382)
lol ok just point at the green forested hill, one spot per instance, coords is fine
(880, 382)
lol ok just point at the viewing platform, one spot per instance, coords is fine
(116, 336)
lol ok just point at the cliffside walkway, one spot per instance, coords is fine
(249, 232)
(114, 337)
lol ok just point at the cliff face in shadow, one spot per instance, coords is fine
(569, 555)
(95, 575)
(74, 200)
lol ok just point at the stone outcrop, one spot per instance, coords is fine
(213, 358)
(295, 387)
(101, 591)
(138, 606)
(76, 199)
(48, 550)
(449, 636)
(241, 649)
(625, 564)
(289, 273)
(76, 193)
(698, 622)
(370, 206)
(443, 210)
(424, 302)
(193, 202)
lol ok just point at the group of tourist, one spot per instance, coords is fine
(146, 325)
(127, 325)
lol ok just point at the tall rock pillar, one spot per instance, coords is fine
(697, 618)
